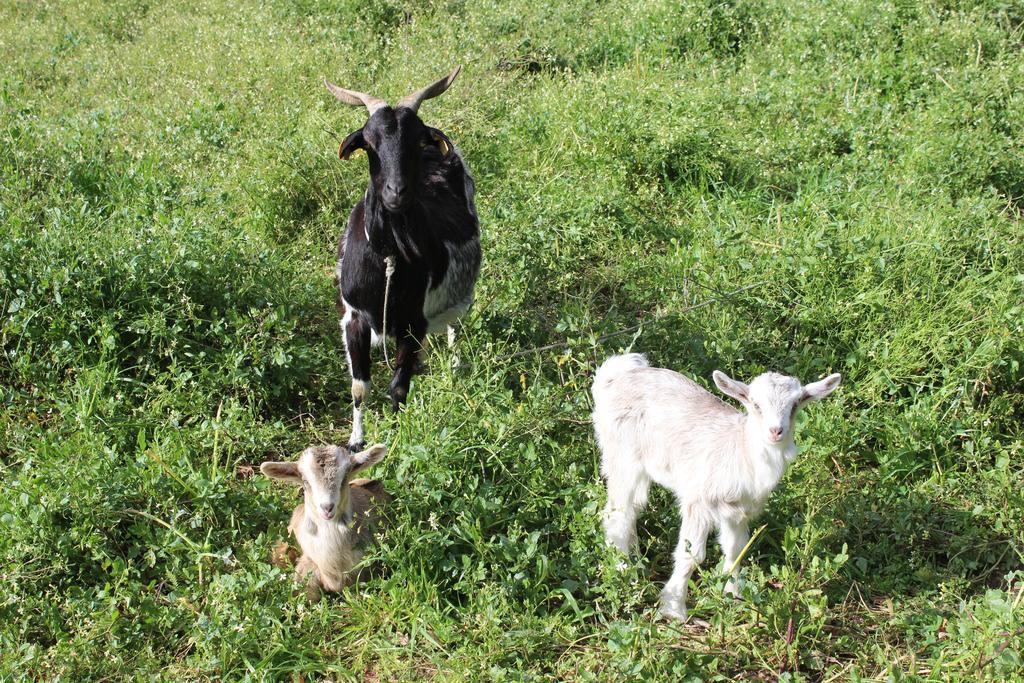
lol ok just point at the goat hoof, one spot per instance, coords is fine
(671, 607)
(672, 613)
(397, 395)
(356, 445)
(695, 624)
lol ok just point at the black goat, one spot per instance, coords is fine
(417, 218)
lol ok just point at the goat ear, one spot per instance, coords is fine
(442, 141)
(815, 391)
(371, 456)
(731, 387)
(285, 471)
(350, 144)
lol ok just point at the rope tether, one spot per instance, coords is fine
(389, 270)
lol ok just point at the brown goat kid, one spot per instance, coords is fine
(338, 515)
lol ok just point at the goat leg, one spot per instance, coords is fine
(409, 345)
(357, 347)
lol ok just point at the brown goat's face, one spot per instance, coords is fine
(322, 471)
(395, 141)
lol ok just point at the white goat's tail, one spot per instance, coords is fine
(615, 367)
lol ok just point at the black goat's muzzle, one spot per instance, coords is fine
(395, 200)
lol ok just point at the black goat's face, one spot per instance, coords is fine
(395, 141)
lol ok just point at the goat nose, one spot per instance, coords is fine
(775, 433)
(327, 509)
(397, 189)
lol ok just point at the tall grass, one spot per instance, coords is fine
(170, 197)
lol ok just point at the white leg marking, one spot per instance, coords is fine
(360, 391)
(343, 324)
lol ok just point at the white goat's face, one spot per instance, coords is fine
(324, 472)
(772, 400)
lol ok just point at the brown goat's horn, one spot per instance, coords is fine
(414, 100)
(356, 98)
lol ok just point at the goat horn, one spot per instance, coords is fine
(356, 98)
(414, 100)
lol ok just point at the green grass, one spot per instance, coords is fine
(170, 196)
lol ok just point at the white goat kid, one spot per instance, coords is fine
(336, 519)
(654, 424)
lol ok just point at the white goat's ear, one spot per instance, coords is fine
(371, 456)
(815, 391)
(285, 471)
(731, 387)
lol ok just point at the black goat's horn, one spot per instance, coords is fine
(414, 100)
(356, 98)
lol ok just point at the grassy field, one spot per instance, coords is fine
(170, 197)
